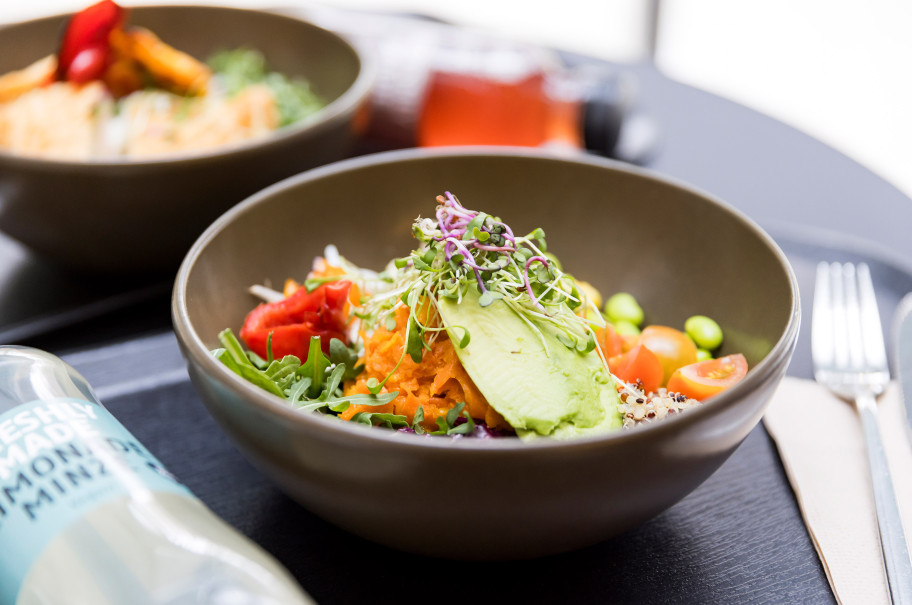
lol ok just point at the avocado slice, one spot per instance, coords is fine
(539, 385)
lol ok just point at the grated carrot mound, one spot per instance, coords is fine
(437, 384)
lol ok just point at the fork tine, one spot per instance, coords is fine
(822, 345)
(875, 353)
(855, 338)
(841, 346)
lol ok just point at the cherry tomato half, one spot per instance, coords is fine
(673, 347)
(88, 64)
(639, 363)
(293, 320)
(707, 378)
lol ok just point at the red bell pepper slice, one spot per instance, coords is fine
(295, 319)
(85, 51)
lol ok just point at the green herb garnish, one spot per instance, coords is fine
(446, 425)
(465, 249)
(315, 385)
(243, 67)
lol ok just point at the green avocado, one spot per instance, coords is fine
(539, 385)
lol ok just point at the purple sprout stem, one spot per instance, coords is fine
(452, 219)
(456, 205)
(469, 263)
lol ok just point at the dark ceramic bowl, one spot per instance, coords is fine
(137, 216)
(678, 251)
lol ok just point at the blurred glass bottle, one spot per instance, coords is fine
(88, 516)
(484, 91)
(441, 85)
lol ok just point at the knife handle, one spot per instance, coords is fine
(892, 535)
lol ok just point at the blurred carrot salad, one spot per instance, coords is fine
(116, 90)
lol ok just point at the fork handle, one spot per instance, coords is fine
(892, 536)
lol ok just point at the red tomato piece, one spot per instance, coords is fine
(90, 28)
(639, 363)
(610, 341)
(673, 347)
(89, 64)
(706, 378)
(295, 319)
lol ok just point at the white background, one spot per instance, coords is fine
(840, 70)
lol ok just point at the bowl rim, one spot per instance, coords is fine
(332, 112)
(342, 431)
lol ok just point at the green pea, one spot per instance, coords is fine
(705, 332)
(626, 328)
(624, 307)
(703, 355)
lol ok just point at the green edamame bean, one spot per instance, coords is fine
(624, 307)
(626, 328)
(703, 355)
(705, 332)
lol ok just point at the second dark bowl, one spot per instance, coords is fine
(139, 216)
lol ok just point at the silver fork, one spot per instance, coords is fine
(850, 358)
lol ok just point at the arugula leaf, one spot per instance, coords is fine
(415, 342)
(312, 386)
(341, 354)
(446, 425)
(233, 356)
(298, 393)
(279, 371)
(390, 421)
(417, 419)
(315, 367)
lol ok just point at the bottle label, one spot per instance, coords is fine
(59, 459)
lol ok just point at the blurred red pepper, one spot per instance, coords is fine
(85, 51)
(293, 320)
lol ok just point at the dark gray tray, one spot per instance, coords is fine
(738, 538)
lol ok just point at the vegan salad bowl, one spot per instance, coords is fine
(124, 132)
(435, 350)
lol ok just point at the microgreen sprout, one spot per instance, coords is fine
(465, 248)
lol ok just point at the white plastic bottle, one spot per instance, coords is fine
(88, 516)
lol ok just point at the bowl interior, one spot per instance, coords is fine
(292, 47)
(678, 252)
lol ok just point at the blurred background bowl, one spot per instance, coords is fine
(142, 215)
(678, 251)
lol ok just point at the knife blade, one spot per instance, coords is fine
(903, 344)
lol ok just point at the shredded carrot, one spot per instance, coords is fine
(437, 384)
